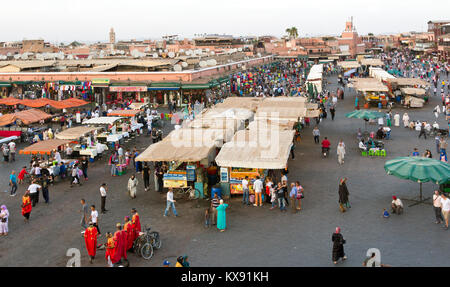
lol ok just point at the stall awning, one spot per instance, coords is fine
(44, 147)
(26, 117)
(5, 84)
(101, 121)
(100, 83)
(195, 86)
(265, 153)
(185, 151)
(74, 133)
(128, 88)
(413, 91)
(137, 106)
(124, 113)
(10, 101)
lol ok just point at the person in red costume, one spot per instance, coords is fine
(131, 233)
(110, 247)
(136, 221)
(90, 238)
(120, 244)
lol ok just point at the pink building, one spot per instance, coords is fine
(350, 42)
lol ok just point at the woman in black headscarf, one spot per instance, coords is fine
(343, 195)
(338, 246)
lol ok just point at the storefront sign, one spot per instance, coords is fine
(224, 174)
(100, 82)
(128, 89)
(175, 175)
(175, 183)
(190, 172)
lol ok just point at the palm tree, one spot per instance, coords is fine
(292, 32)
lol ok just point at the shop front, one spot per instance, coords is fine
(162, 93)
(120, 93)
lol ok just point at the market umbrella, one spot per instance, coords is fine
(418, 169)
(364, 114)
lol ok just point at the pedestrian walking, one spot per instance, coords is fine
(405, 119)
(12, 150)
(132, 186)
(103, 190)
(293, 195)
(343, 195)
(84, 167)
(94, 218)
(316, 134)
(34, 192)
(245, 191)
(445, 205)
(75, 176)
(396, 119)
(146, 176)
(281, 197)
(4, 217)
(84, 214)
(437, 207)
(26, 206)
(113, 161)
(422, 131)
(338, 246)
(170, 203)
(215, 202)
(257, 188)
(90, 239)
(221, 216)
(45, 182)
(443, 146)
(341, 152)
(5, 150)
(332, 112)
(13, 183)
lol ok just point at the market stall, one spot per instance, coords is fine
(114, 129)
(315, 77)
(86, 139)
(372, 90)
(250, 155)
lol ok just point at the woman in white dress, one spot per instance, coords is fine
(4, 214)
(405, 120)
(397, 120)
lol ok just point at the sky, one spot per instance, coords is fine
(90, 20)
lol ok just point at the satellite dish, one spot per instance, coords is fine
(9, 54)
(147, 49)
(212, 53)
(203, 64)
(184, 64)
(90, 57)
(155, 55)
(24, 56)
(70, 57)
(211, 62)
(259, 54)
(165, 50)
(188, 52)
(16, 57)
(239, 49)
(181, 51)
(177, 68)
(207, 49)
(171, 54)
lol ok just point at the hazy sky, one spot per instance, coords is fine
(90, 20)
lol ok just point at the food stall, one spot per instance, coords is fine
(48, 147)
(112, 134)
(372, 90)
(130, 125)
(20, 119)
(411, 97)
(247, 154)
(85, 139)
(186, 159)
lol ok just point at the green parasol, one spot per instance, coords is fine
(419, 169)
(365, 114)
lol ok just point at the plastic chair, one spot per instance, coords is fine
(383, 152)
(371, 153)
(364, 153)
(377, 152)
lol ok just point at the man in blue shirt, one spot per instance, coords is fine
(416, 152)
(13, 183)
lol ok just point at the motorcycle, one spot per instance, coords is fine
(325, 151)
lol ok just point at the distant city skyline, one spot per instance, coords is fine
(90, 21)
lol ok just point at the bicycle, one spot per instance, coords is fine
(144, 245)
(188, 192)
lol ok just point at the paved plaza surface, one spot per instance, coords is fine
(255, 236)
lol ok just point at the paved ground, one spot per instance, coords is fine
(256, 236)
